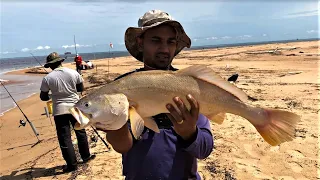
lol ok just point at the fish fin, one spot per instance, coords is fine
(218, 118)
(207, 74)
(151, 124)
(280, 126)
(137, 123)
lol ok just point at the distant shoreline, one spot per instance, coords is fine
(251, 43)
(126, 53)
(116, 54)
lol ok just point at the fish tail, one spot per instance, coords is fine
(278, 127)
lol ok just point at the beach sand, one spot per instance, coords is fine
(287, 79)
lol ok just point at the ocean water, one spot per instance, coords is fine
(29, 85)
(21, 87)
(10, 64)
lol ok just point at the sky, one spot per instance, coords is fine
(40, 27)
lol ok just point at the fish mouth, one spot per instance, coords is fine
(83, 119)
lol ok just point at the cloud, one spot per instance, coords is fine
(25, 49)
(264, 35)
(302, 14)
(312, 31)
(39, 48)
(245, 36)
(211, 38)
(131, 1)
(86, 1)
(77, 45)
(7, 52)
(226, 37)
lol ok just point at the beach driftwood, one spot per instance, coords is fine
(276, 51)
(37, 70)
(291, 73)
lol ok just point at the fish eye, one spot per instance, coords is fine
(86, 104)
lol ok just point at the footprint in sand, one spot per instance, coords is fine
(296, 167)
(250, 151)
(286, 178)
(296, 154)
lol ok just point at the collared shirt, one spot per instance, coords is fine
(62, 82)
(166, 155)
(78, 60)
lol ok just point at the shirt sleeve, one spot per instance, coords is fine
(44, 85)
(79, 78)
(201, 145)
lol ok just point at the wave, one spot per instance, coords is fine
(4, 80)
(2, 113)
(14, 105)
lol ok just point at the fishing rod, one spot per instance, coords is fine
(104, 142)
(75, 45)
(33, 128)
(38, 62)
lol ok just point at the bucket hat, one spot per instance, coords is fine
(149, 20)
(52, 58)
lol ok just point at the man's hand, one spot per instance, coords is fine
(184, 121)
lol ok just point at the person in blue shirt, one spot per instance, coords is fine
(185, 135)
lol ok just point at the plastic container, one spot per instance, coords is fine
(49, 106)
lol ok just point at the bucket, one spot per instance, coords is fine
(49, 106)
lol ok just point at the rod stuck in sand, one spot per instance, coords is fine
(33, 128)
(75, 45)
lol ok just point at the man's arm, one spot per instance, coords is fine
(121, 139)
(80, 87)
(201, 144)
(79, 83)
(44, 88)
(44, 96)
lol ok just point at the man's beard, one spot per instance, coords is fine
(163, 60)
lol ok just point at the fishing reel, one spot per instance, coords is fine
(22, 123)
(94, 139)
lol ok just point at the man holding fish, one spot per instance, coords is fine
(157, 117)
(185, 136)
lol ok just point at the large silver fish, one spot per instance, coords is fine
(141, 95)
